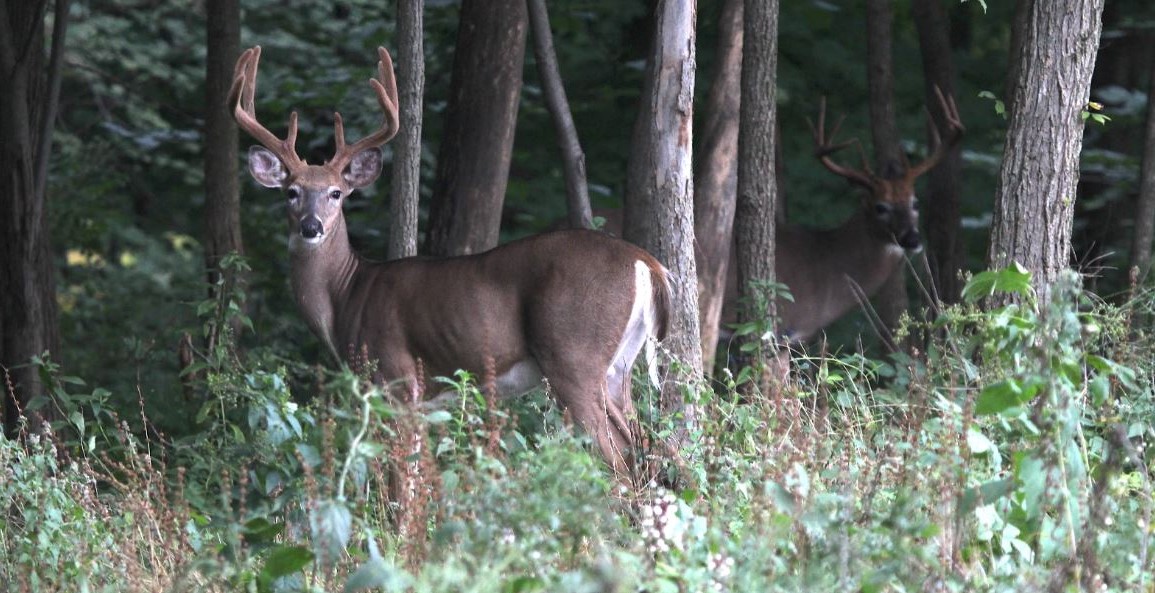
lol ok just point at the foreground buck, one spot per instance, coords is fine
(573, 307)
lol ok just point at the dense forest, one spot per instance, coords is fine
(856, 389)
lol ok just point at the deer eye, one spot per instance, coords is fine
(335, 194)
(882, 209)
(292, 193)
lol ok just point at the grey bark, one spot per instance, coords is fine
(1035, 196)
(659, 208)
(406, 188)
(757, 178)
(716, 178)
(891, 300)
(573, 159)
(473, 161)
(28, 103)
(944, 182)
(222, 182)
(1145, 214)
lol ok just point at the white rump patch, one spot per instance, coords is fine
(641, 325)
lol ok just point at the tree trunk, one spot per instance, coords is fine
(222, 184)
(757, 181)
(944, 182)
(406, 192)
(891, 301)
(473, 162)
(659, 212)
(1034, 200)
(1145, 214)
(573, 159)
(28, 100)
(716, 178)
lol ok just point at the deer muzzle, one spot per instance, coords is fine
(311, 228)
(911, 240)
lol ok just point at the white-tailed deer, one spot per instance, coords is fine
(573, 307)
(828, 272)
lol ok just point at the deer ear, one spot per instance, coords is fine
(363, 168)
(265, 167)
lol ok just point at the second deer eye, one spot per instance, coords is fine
(882, 209)
(292, 193)
(335, 194)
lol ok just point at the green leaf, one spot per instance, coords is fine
(286, 560)
(986, 493)
(438, 417)
(376, 573)
(1013, 279)
(1002, 396)
(262, 530)
(332, 526)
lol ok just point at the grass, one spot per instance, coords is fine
(1007, 454)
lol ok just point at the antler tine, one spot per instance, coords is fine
(823, 149)
(955, 131)
(243, 91)
(385, 86)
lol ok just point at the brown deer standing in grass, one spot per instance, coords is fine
(829, 272)
(573, 307)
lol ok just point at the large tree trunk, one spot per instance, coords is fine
(944, 182)
(473, 162)
(406, 192)
(659, 212)
(573, 159)
(28, 100)
(1145, 214)
(757, 181)
(1034, 200)
(716, 178)
(222, 184)
(891, 301)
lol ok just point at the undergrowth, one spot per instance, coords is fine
(1007, 452)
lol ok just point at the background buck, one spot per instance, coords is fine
(574, 307)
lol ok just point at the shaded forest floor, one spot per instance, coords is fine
(1008, 452)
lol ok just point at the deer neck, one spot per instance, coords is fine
(321, 276)
(868, 255)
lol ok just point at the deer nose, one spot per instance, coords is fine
(910, 240)
(311, 227)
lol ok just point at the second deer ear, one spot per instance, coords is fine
(363, 168)
(266, 168)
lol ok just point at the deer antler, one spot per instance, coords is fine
(385, 85)
(955, 131)
(823, 149)
(242, 92)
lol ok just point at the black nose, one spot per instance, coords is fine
(910, 240)
(311, 228)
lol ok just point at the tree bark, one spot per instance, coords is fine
(944, 182)
(716, 178)
(659, 212)
(28, 101)
(406, 193)
(222, 183)
(1035, 196)
(1145, 214)
(573, 159)
(891, 301)
(757, 179)
(473, 162)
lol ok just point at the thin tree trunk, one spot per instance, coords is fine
(222, 184)
(660, 191)
(573, 159)
(1145, 215)
(28, 102)
(473, 162)
(891, 300)
(944, 182)
(1035, 197)
(757, 179)
(406, 192)
(716, 178)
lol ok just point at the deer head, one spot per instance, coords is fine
(315, 193)
(890, 204)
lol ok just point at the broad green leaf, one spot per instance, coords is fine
(1012, 279)
(286, 560)
(376, 573)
